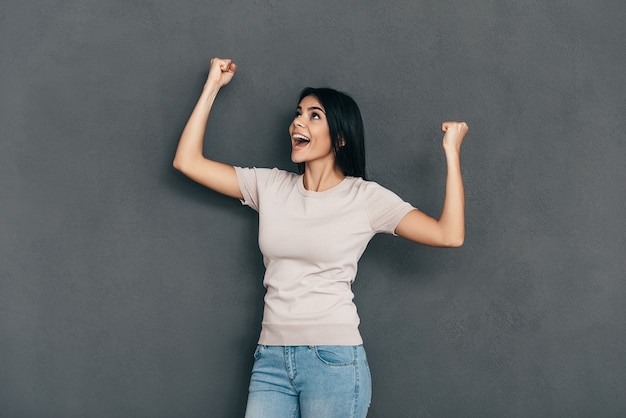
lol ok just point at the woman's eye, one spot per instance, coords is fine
(315, 115)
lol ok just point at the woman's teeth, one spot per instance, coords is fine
(301, 139)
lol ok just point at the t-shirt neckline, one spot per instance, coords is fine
(337, 187)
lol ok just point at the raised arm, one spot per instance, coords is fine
(449, 229)
(189, 157)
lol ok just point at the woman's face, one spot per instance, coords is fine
(310, 136)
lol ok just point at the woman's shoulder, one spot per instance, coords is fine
(366, 185)
(267, 175)
(370, 189)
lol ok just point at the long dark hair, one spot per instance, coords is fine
(346, 129)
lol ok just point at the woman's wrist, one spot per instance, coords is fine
(452, 151)
(211, 87)
(209, 91)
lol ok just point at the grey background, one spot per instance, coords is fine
(126, 290)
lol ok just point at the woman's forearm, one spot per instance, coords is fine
(189, 158)
(190, 145)
(449, 229)
(452, 219)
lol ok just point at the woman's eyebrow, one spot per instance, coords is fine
(317, 108)
(312, 108)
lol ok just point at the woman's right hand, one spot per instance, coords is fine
(221, 72)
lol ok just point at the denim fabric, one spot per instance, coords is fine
(309, 382)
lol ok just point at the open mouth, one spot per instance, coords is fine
(300, 140)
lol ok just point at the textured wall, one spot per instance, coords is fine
(127, 290)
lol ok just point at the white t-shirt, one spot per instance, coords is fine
(311, 243)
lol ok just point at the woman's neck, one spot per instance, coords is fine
(320, 178)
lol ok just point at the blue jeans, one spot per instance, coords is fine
(325, 381)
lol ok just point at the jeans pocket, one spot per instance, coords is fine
(259, 351)
(336, 355)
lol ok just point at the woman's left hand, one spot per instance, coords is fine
(454, 132)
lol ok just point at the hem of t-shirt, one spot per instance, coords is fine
(406, 209)
(244, 193)
(310, 334)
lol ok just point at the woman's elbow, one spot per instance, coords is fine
(455, 242)
(453, 239)
(180, 164)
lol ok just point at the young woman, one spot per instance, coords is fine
(313, 228)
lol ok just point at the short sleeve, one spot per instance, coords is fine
(256, 182)
(385, 209)
(246, 177)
